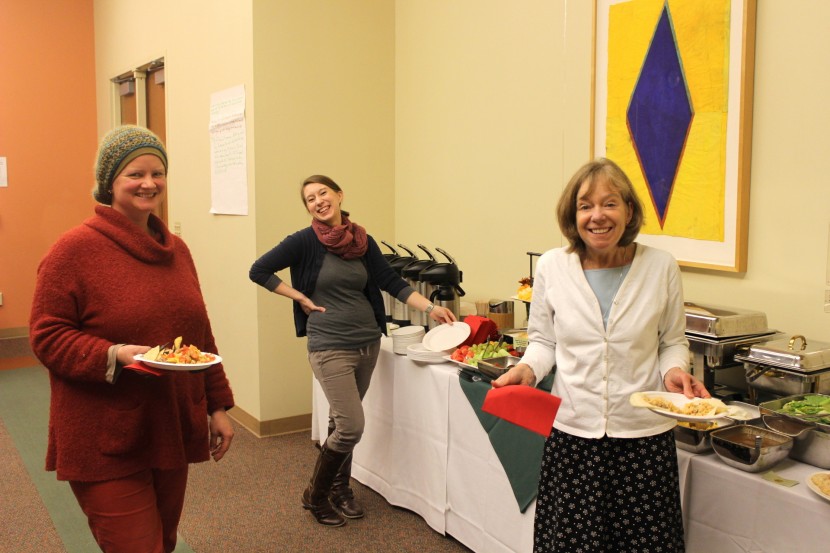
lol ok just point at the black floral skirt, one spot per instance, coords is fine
(611, 495)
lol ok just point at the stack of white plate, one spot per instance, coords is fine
(417, 352)
(406, 336)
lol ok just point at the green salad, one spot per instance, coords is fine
(815, 407)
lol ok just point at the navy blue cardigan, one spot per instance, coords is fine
(303, 253)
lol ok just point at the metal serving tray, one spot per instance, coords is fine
(811, 439)
(795, 353)
(723, 322)
(785, 382)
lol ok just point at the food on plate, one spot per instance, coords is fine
(178, 354)
(697, 407)
(822, 482)
(525, 291)
(471, 355)
(815, 407)
(704, 407)
(694, 425)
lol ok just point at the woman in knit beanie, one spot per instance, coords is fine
(118, 148)
(108, 290)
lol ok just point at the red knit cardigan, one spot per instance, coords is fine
(102, 283)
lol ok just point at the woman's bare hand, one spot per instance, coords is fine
(520, 374)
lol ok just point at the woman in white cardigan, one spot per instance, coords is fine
(607, 314)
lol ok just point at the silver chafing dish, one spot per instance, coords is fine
(750, 448)
(811, 435)
(694, 436)
(789, 366)
(716, 334)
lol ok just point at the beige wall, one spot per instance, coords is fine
(452, 124)
(207, 47)
(493, 114)
(324, 77)
(789, 214)
(493, 108)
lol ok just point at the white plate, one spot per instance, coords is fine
(417, 352)
(408, 331)
(809, 482)
(679, 400)
(446, 336)
(177, 366)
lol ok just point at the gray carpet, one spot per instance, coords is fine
(247, 503)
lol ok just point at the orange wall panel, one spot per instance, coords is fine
(48, 135)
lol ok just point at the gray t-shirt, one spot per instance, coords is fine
(348, 322)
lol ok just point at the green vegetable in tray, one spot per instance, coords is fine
(815, 407)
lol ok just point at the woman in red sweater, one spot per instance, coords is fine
(107, 290)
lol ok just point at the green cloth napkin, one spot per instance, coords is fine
(518, 449)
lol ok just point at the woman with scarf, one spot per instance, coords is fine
(337, 274)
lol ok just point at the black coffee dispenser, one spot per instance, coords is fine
(411, 273)
(400, 311)
(387, 299)
(445, 280)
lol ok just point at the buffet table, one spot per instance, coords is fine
(424, 450)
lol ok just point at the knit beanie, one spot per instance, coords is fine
(118, 148)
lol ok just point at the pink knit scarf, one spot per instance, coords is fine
(348, 240)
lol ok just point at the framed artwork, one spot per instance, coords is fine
(672, 106)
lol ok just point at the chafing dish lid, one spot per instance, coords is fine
(796, 352)
(722, 322)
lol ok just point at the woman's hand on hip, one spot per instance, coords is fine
(679, 381)
(308, 306)
(520, 374)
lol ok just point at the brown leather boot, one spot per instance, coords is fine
(342, 496)
(316, 496)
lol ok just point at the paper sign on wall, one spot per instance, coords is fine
(228, 152)
(4, 175)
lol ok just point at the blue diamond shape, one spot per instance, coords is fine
(660, 114)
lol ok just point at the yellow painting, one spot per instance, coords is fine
(670, 107)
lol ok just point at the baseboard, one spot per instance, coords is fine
(276, 427)
(18, 332)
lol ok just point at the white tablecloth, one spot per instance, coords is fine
(425, 450)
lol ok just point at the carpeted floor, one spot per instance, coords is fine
(247, 503)
(251, 500)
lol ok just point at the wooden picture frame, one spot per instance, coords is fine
(699, 153)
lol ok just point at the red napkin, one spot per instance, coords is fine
(140, 367)
(524, 406)
(482, 329)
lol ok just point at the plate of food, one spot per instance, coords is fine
(679, 407)
(177, 357)
(819, 482)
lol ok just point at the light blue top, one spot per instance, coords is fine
(605, 283)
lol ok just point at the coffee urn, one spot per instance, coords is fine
(411, 273)
(445, 279)
(400, 311)
(387, 299)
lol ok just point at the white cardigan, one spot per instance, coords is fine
(597, 369)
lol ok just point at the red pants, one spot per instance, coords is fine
(135, 514)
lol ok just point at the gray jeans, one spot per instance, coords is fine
(344, 375)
